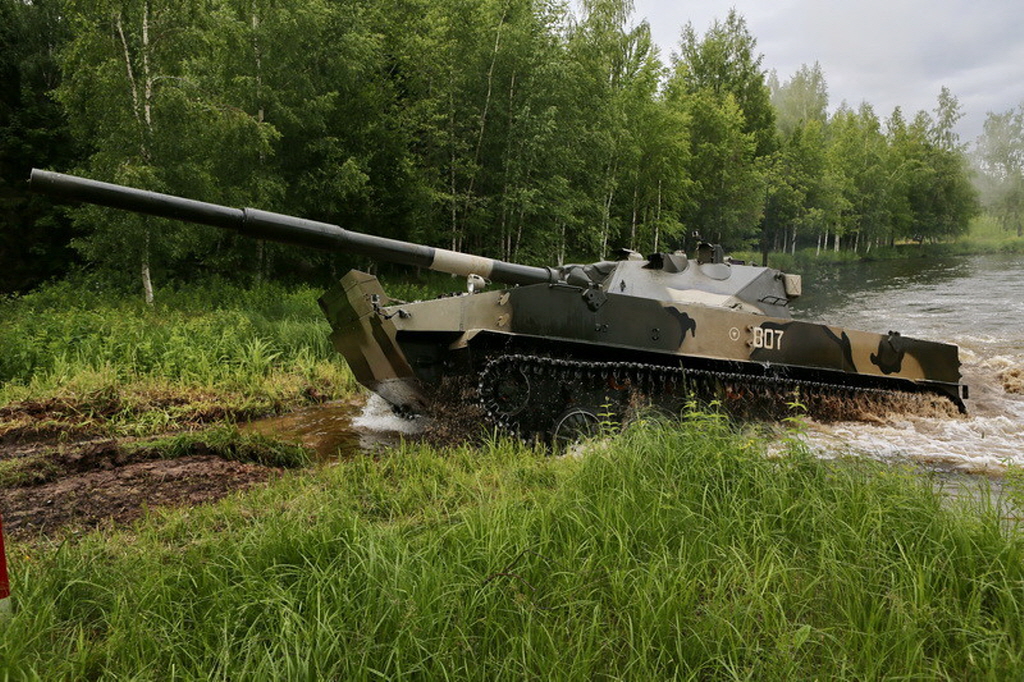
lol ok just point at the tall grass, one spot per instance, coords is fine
(266, 344)
(671, 552)
(987, 235)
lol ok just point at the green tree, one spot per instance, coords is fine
(1000, 156)
(725, 61)
(33, 132)
(859, 159)
(939, 193)
(135, 95)
(800, 198)
(662, 188)
(312, 132)
(718, 83)
(948, 113)
(800, 100)
(616, 74)
(728, 182)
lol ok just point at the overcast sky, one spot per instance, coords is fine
(886, 52)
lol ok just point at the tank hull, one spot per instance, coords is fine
(404, 351)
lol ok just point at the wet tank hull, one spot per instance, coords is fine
(532, 367)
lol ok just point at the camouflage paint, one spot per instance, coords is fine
(620, 326)
(665, 309)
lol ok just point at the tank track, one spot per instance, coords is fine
(529, 394)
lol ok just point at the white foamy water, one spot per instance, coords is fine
(977, 303)
(377, 416)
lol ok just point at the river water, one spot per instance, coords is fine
(976, 302)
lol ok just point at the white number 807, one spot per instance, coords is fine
(770, 339)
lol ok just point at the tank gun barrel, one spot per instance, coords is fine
(284, 228)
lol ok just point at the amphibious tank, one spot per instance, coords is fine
(556, 351)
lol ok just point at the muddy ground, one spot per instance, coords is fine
(60, 476)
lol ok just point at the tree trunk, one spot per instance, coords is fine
(519, 234)
(261, 261)
(131, 76)
(454, 197)
(632, 224)
(483, 114)
(606, 221)
(503, 230)
(561, 245)
(657, 219)
(506, 230)
(142, 108)
(147, 76)
(147, 283)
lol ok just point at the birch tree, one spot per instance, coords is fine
(127, 98)
(1000, 155)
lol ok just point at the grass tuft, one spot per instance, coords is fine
(227, 442)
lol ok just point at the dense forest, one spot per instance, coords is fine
(519, 129)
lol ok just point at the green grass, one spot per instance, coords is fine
(104, 363)
(672, 551)
(988, 236)
(202, 353)
(227, 442)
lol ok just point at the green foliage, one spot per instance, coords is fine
(227, 442)
(725, 62)
(718, 83)
(224, 441)
(34, 235)
(216, 333)
(673, 551)
(509, 128)
(847, 179)
(801, 100)
(242, 350)
(1000, 158)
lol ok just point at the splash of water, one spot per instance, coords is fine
(341, 429)
(378, 417)
(971, 301)
(985, 441)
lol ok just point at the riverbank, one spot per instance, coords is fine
(986, 237)
(154, 536)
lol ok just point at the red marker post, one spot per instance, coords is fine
(5, 583)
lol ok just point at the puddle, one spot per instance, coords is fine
(341, 429)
